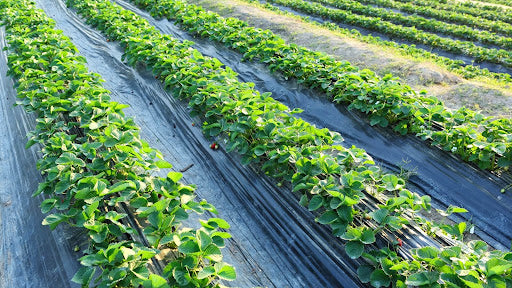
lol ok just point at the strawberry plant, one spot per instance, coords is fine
(334, 181)
(387, 102)
(98, 171)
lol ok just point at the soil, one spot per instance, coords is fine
(421, 75)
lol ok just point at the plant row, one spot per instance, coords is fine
(480, 54)
(97, 169)
(335, 181)
(387, 102)
(421, 23)
(454, 17)
(466, 7)
(457, 66)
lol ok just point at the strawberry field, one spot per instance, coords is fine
(153, 143)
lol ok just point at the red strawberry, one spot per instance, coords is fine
(193, 124)
(214, 146)
(400, 242)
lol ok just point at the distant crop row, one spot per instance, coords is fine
(480, 54)
(454, 17)
(464, 132)
(97, 169)
(334, 180)
(466, 7)
(457, 66)
(421, 23)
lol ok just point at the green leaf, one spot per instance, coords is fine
(499, 148)
(68, 158)
(497, 266)
(335, 203)
(182, 277)
(93, 260)
(156, 281)
(354, 249)
(453, 279)
(379, 215)
(54, 219)
(224, 235)
(139, 202)
(404, 265)
(117, 274)
(213, 253)
(206, 272)
(327, 217)
(461, 227)
(260, 150)
(352, 234)
(391, 182)
(304, 200)
(163, 164)
(269, 128)
(454, 209)
(423, 278)
(315, 202)
(146, 253)
(226, 272)
(374, 120)
(218, 222)
(189, 247)
(426, 252)
(450, 210)
(379, 279)
(85, 194)
(47, 205)
(498, 282)
(181, 214)
(368, 236)
(40, 188)
(386, 265)
(478, 246)
(119, 186)
(84, 276)
(471, 281)
(114, 216)
(94, 125)
(62, 186)
(345, 213)
(110, 142)
(174, 176)
(204, 239)
(364, 273)
(101, 234)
